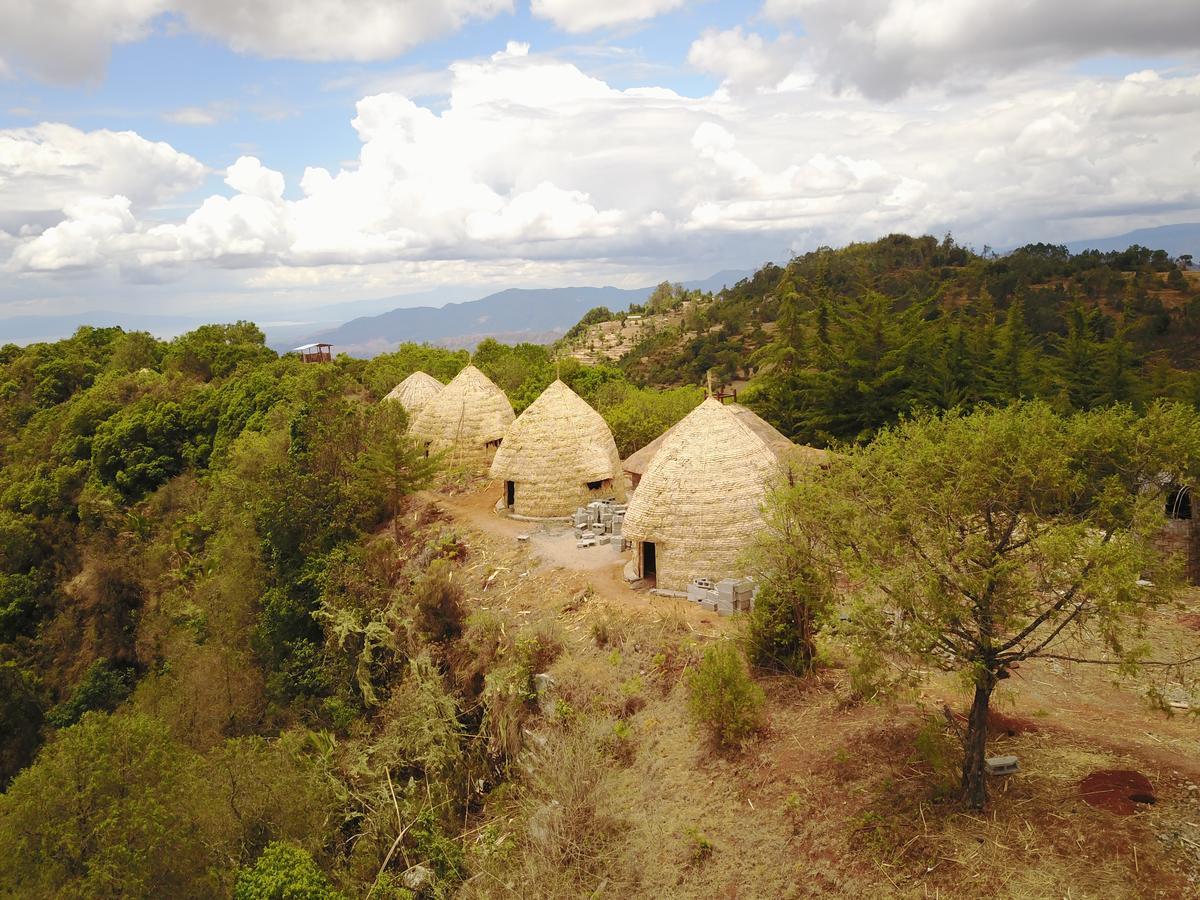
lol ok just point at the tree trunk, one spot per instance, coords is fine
(805, 634)
(974, 784)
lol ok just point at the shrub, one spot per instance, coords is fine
(700, 847)
(782, 627)
(723, 698)
(104, 687)
(940, 752)
(572, 826)
(283, 872)
(437, 601)
(20, 719)
(18, 603)
(104, 812)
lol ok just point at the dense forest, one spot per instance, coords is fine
(193, 532)
(217, 584)
(839, 342)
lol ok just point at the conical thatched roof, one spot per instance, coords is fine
(700, 498)
(553, 450)
(468, 419)
(415, 392)
(637, 463)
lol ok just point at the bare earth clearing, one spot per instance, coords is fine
(837, 799)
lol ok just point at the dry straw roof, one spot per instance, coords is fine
(637, 463)
(415, 392)
(700, 498)
(553, 450)
(468, 415)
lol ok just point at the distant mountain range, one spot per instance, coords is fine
(536, 315)
(1175, 239)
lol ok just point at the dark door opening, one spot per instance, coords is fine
(510, 493)
(1179, 503)
(649, 568)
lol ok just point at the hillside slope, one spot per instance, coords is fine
(535, 315)
(621, 796)
(839, 342)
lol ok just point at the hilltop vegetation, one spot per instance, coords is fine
(840, 342)
(245, 651)
(198, 595)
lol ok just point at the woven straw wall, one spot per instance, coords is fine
(415, 392)
(469, 414)
(551, 452)
(700, 499)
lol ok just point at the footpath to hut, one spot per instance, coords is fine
(551, 547)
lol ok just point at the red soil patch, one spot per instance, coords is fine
(1190, 620)
(999, 723)
(1116, 790)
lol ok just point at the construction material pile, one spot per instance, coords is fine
(600, 522)
(727, 596)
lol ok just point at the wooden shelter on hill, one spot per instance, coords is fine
(698, 505)
(314, 353)
(415, 392)
(467, 420)
(636, 463)
(558, 455)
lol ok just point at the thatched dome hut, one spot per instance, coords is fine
(699, 503)
(468, 419)
(636, 464)
(558, 455)
(415, 392)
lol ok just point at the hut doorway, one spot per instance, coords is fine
(1179, 503)
(1182, 532)
(649, 564)
(510, 494)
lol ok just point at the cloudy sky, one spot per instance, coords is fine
(216, 157)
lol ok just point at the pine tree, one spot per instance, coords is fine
(1079, 359)
(1016, 355)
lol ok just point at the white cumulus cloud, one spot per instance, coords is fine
(743, 58)
(532, 165)
(588, 15)
(70, 40)
(92, 228)
(333, 29)
(886, 47)
(46, 168)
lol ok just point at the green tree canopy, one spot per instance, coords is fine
(975, 542)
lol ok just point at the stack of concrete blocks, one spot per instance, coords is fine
(601, 519)
(727, 596)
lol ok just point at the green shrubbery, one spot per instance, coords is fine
(283, 872)
(723, 699)
(104, 687)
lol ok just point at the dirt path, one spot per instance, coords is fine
(552, 552)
